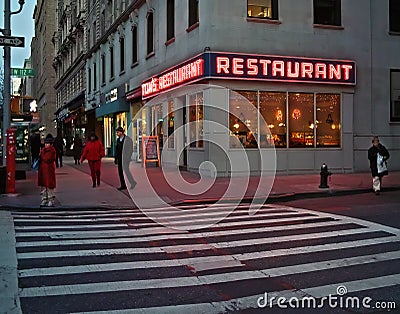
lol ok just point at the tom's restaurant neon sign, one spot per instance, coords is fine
(252, 67)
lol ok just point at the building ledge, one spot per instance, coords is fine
(323, 26)
(170, 41)
(192, 27)
(263, 21)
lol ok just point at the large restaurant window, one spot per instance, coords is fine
(301, 120)
(394, 13)
(328, 12)
(196, 104)
(273, 111)
(243, 121)
(294, 120)
(170, 19)
(265, 9)
(171, 124)
(328, 120)
(395, 95)
(193, 12)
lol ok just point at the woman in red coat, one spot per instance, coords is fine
(93, 152)
(47, 172)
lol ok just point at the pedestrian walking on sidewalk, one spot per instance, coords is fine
(123, 154)
(377, 155)
(77, 149)
(47, 172)
(94, 152)
(59, 147)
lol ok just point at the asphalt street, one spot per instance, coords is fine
(80, 261)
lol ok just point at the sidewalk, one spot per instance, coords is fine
(74, 188)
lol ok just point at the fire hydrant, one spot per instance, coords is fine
(324, 176)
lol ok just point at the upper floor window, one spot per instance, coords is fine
(89, 75)
(94, 76)
(134, 44)
(112, 62)
(150, 31)
(328, 12)
(193, 12)
(395, 95)
(103, 69)
(266, 9)
(122, 54)
(394, 14)
(170, 19)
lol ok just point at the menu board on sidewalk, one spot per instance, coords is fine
(151, 149)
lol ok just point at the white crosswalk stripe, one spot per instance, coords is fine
(73, 254)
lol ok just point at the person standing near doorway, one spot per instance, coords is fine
(123, 154)
(377, 149)
(94, 152)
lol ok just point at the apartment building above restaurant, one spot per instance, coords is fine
(313, 71)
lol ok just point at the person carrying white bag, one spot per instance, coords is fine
(378, 156)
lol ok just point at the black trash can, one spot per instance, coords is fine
(3, 179)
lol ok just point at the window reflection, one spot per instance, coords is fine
(301, 120)
(328, 120)
(273, 111)
(243, 122)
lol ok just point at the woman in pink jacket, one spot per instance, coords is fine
(93, 152)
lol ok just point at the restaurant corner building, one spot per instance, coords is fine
(323, 84)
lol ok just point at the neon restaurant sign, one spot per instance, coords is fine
(220, 65)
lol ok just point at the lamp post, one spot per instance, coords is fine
(7, 70)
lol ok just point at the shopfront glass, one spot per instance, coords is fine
(295, 120)
(171, 124)
(301, 120)
(196, 108)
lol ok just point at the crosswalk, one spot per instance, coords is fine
(120, 261)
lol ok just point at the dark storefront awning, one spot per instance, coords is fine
(119, 105)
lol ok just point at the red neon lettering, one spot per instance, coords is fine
(265, 63)
(296, 72)
(252, 67)
(222, 65)
(237, 66)
(307, 69)
(334, 71)
(347, 69)
(278, 66)
(320, 69)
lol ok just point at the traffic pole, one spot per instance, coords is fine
(7, 78)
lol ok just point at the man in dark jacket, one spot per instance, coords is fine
(123, 154)
(377, 148)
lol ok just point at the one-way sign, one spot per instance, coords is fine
(12, 41)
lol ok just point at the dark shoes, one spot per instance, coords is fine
(94, 185)
(121, 188)
(377, 192)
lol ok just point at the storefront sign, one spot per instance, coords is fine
(252, 67)
(184, 73)
(111, 96)
(63, 114)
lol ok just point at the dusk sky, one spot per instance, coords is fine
(22, 24)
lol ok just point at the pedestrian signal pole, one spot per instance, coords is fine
(7, 71)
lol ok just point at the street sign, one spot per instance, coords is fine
(22, 72)
(12, 41)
